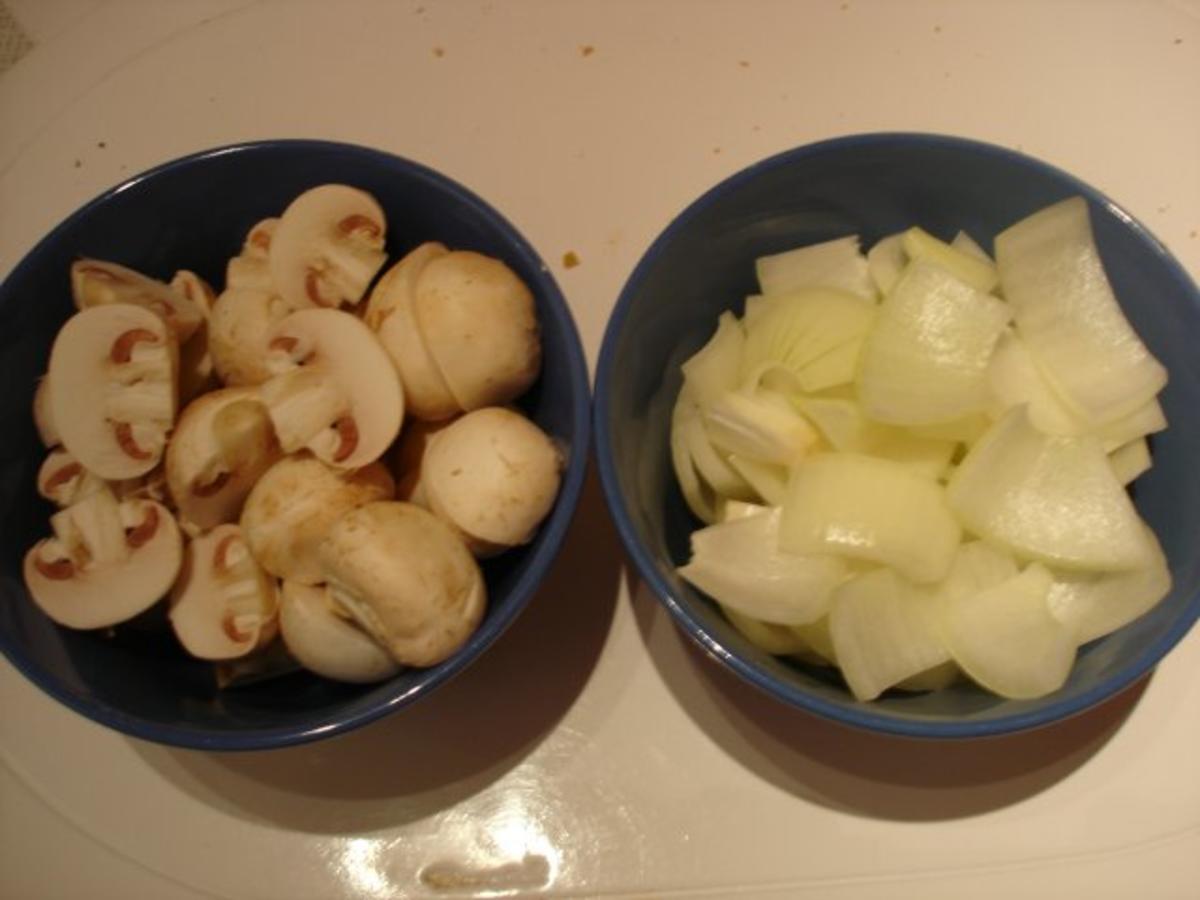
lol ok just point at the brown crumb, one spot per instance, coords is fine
(744, 63)
(587, 50)
(845, 6)
(570, 259)
(101, 144)
(716, 150)
(439, 52)
(1178, 40)
(419, 10)
(79, 164)
(756, 128)
(1192, 233)
(937, 29)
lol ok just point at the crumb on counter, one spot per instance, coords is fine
(586, 50)
(79, 163)
(101, 144)
(439, 52)
(716, 150)
(570, 259)
(744, 63)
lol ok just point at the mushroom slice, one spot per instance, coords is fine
(95, 282)
(43, 421)
(406, 578)
(479, 323)
(327, 247)
(250, 268)
(238, 333)
(108, 561)
(195, 290)
(222, 443)
(294, 504)
(197, 374)
(113, 372)
(63, 480)
(224, 605)
(337, 392)
(493, 475)
(389, 314)
(318, 635)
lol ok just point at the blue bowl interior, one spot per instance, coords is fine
(194, 213)
(873, 186)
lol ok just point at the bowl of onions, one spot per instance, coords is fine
(917, 458)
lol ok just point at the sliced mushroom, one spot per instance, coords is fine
(479, 324)
(223, 606)
(197, 374)
(337, 393)
(322, 640)
(327, 247)
(493, 475)
(195, 290)
(292, 506)
(250, 268)
(222, 443)
(389, 314)
(63, 480)
(43, 421)
(95, 282)
(238, 333)
(108, 561)
(113, 372)
(406, 578)
(408, 459)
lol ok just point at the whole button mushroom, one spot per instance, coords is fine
(238, 333)
(406, 578)
(294, 504)
(43, 418)
(95, 282)
(389, 314)
(408, 460)
(113, 386)
(327, 247)
(479, 323)
(493, 475)
(324, 641)
(108, 561)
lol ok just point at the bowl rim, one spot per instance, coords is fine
(864, 715)
(544, 549)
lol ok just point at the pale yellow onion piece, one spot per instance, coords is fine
(699, 497)
(715, 367)
(768, 481)
(778, 640)
(1095, 605)
(833, 369)
(710, 464)
(885, 261)
(1066, 311)
(926, 359)
(762, 427)
(935, 678)
(1048, 497)
(978, 566)
(733, 510)
(1129, 461)
(964, 243)
(928, 457)
(819, 640)
(1006, 639)
(884, 630)
(966, 430)
(1146, 419)
(966, 267)
(838, 263)
(739, 564)
(872, 509)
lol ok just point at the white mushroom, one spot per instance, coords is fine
(389, 314)
(239, 331)
(43, 421)
(406, 578)
(108, 561)
(294, 503)
(321, 638)
(337, 393)
(112, 389)
(195, 290)
(95, 282)
(408, 456)
(479, 324)
(327, 247)
(63, 480)
(223, 605)
(492, 474)
(197, 374)
(250, 269)
(222, 443)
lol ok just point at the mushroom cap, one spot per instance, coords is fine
(494, 475)
(293, 505)
(222, 443)
(95, 282)
(406, 578)
(101, 593)
(250, 268)
(195, 290)
(389, 314)
(239, 330)
(324, 642)
(43, 420)
(327, 247)
(480, 326)
(63, 480)
(341, 347)
(107, 363)
(408, 459)
(223, 605)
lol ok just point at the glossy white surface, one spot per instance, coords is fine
(630, 765)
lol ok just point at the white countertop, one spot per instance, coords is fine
(632, 766)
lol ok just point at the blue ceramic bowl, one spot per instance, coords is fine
(875, 185)
(193, 213)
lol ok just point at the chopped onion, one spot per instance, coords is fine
(715, 367)
(761, 427)
(1130, 460)
(966, 267)
(833, 264)
(885, 261)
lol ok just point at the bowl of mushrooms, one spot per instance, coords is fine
(295, 429)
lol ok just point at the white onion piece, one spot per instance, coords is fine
(885, 261)
(964, 243)
(978, 566)
(835, 368)
(832, 264)
(1006, 639)
(1095, 605)
(932, 679)
(715, 367)
(884, 631)
(778, 640)
(1130, 460)
(968, 268)
(1066, 311)
(762, 427)
(768, 481)
(739, 564)
(873, 509)
(732, 510)
(698, 496)
(926, 359)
